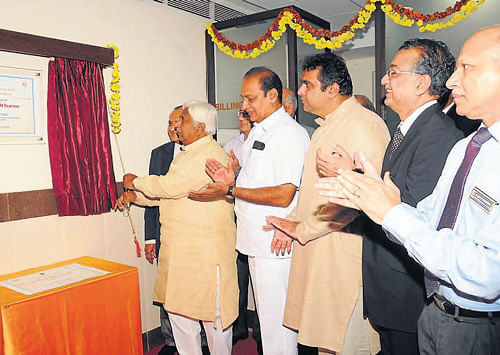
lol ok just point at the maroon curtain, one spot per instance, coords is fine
(79, 146)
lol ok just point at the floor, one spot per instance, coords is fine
(243, 347)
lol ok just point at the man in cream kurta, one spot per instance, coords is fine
(196, 276)
(324, 292)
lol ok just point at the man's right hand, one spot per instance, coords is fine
(281, 243)
(150, 252)
(234, 163)
(123, 202)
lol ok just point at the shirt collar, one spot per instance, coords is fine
(177, 148)
(494, 130)
(405, 125)
(270, 120)
(339, 112)
(198, 143)
(448, 108)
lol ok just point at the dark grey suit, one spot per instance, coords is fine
(159, 164)
(394, 292)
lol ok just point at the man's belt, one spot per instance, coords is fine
(452, 309)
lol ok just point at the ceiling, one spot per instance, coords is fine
(337, 12)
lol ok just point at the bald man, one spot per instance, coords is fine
(454, 232)
(290, 106)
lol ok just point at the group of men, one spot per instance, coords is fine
(323, 275)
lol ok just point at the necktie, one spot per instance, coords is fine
(396, 141)
(452, 206)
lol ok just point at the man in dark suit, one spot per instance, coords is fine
(161, 157)
(463, 123)
(393, 283)
(394, 291)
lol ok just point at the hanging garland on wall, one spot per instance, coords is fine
(116, 127)
(321, 38)
(114, 101)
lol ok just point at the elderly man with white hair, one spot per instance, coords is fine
(196, 277)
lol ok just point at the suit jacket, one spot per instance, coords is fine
(394, 292)
(463, 123)
(161, 157)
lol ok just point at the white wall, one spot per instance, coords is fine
(162, 63)
(361, 65)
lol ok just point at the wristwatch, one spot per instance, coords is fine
(230, 191)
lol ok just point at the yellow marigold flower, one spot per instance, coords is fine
(115, 50)
(114, 107)
(370, 7)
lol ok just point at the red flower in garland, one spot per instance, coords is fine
(415, 15)
(327, 34)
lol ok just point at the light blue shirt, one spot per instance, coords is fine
(466, 259)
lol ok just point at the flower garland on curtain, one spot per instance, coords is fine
(114, 101)
(116, 127)
(334, 39)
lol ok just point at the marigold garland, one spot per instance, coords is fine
(114, 101)
(114, 110)
(334, 39)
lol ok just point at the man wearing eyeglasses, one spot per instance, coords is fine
(240, 327)
(394, 292)
(235, 144)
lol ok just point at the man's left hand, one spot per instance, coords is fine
(209, 193)
(127, 181)
(369, 192)
(285, 225)
(329, 164)
(219, 173)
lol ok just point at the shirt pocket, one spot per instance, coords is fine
(259, 168)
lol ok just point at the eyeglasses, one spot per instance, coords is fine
(243, 113)
(390, 73)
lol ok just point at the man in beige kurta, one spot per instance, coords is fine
(197, 262)
(324, 297)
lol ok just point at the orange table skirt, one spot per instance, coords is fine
(100, 315)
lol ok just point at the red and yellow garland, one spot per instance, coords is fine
(334, 39)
